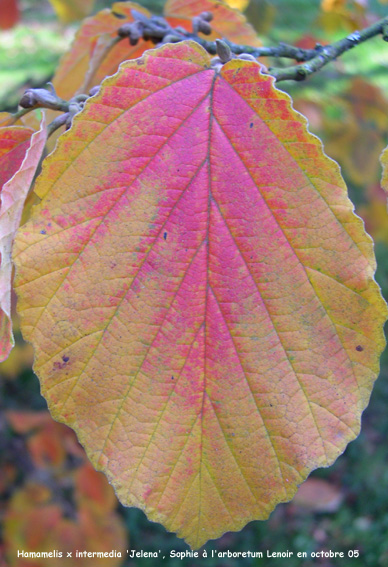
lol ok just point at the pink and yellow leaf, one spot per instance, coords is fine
(199, 292)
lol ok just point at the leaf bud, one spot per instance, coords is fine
(136, 32)
(195, 23)
(207, 16)
(124, 30)
(28, 100)
(204, 27)
(42, 98)
(223, 51)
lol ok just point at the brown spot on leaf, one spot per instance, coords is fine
(61, 365)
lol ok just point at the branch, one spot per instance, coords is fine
(43, 98)
(330, 53)
(158, 30)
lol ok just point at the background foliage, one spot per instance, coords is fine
(44, 477)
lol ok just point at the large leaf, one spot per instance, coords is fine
(227, 22)
(199, 292)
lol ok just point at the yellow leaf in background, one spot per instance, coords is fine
(384, 163)
(238, 4)
(72, 10)
(341, 15)
(261, 15)
(338, 5)
(332, 5)
(20, 358)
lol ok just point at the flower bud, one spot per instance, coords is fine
(223, 51)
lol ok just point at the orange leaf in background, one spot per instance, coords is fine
(9, 14)
(368, 103)
(42, 517)
(93, 490)
(12, 197)
(8, 477)
(374, 212)
(26, 421)
(74, 65)
(227, 22)
(318, 495)
(46, 449)
(357, 140)
(14, 142)
(199, 292)
(47, 440)
(35, 522)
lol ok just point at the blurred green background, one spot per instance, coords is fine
(346, 105)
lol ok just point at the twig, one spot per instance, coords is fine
(330, 53)
(281, 50)
(158, 30)
(59, 121)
